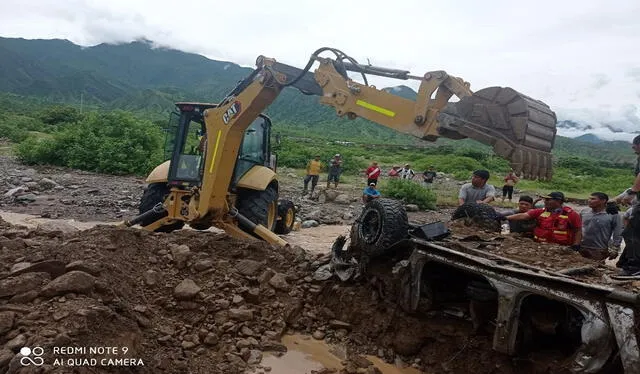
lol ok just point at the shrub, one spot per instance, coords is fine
(59, 114)
(410, 192)
(16, 127)
(114, 142)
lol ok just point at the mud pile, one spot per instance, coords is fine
(187, 301)
(201, 302)
(523, 250)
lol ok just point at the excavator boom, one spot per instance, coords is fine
(519, 128)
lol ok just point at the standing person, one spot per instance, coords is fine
(477, 191)
(428, 176)
(335, 169)
(370, 193)
(313, 173)
(373, 173)
(629, 261)
(509, 182)
(555, 223)
(394, 173)
(406, 172)
(598, 227)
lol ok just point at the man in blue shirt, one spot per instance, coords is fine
(370, 193)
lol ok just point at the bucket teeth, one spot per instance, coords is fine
(520, 129)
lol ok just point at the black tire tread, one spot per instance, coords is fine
(480, 214)
(254, 204)
(281, 227)
(395, 225)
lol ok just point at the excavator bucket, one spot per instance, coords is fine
(518, 128)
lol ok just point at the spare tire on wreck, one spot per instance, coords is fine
(382, 223)
(482, 215)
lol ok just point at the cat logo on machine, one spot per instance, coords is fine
(231, 113)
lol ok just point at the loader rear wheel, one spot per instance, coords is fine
(155, 193)
(260, 207)
(383, 222)
(286, 217)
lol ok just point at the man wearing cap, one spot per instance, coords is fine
(406, 172)
(370, 193)
(555, 223)
(335, 169)
(477, 191)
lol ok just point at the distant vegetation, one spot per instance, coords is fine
(103, 109)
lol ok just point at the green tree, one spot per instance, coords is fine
(58, 114)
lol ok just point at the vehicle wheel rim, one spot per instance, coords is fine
(371, 227)
(289, 217)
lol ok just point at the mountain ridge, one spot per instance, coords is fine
(139, 76)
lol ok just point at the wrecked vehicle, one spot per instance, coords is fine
(526, 294)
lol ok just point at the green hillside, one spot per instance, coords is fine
(147, 81)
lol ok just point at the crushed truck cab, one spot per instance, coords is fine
(523, 304)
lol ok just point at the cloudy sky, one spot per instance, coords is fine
(580, 57)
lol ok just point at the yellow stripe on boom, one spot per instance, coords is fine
(215, 151)
(376, 108)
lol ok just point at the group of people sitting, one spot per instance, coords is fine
(595, 232)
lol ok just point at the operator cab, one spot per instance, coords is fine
(185, 145)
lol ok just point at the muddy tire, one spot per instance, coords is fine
(154, 194)
(382, 223)
(260, 207)
(286, 217)
(482, 215)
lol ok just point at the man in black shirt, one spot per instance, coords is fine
(428, 176)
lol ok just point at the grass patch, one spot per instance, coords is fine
(410, 192)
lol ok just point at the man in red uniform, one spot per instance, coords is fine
(373, 173)
(555, 223)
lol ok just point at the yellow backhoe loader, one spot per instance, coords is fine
(221, 172)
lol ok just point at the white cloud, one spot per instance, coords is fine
(576, 58)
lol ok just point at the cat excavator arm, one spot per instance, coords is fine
(519, 128)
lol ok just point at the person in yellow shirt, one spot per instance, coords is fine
(313, 173)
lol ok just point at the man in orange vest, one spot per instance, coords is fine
(555, 223)
(313, 173)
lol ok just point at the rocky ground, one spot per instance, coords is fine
(197, 302)
(55, 192)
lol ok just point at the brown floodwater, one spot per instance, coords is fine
(305, 354)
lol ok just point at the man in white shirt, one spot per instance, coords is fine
(406, 172)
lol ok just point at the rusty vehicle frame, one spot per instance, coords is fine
(610, 314)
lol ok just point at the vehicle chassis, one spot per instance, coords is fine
(610, 314)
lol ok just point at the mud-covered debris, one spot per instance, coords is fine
(53, 267)
(22, 283)
(186, 290)
(72, 282)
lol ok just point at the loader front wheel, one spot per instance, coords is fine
(155, 193)
(260, 207)
(286, 217)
